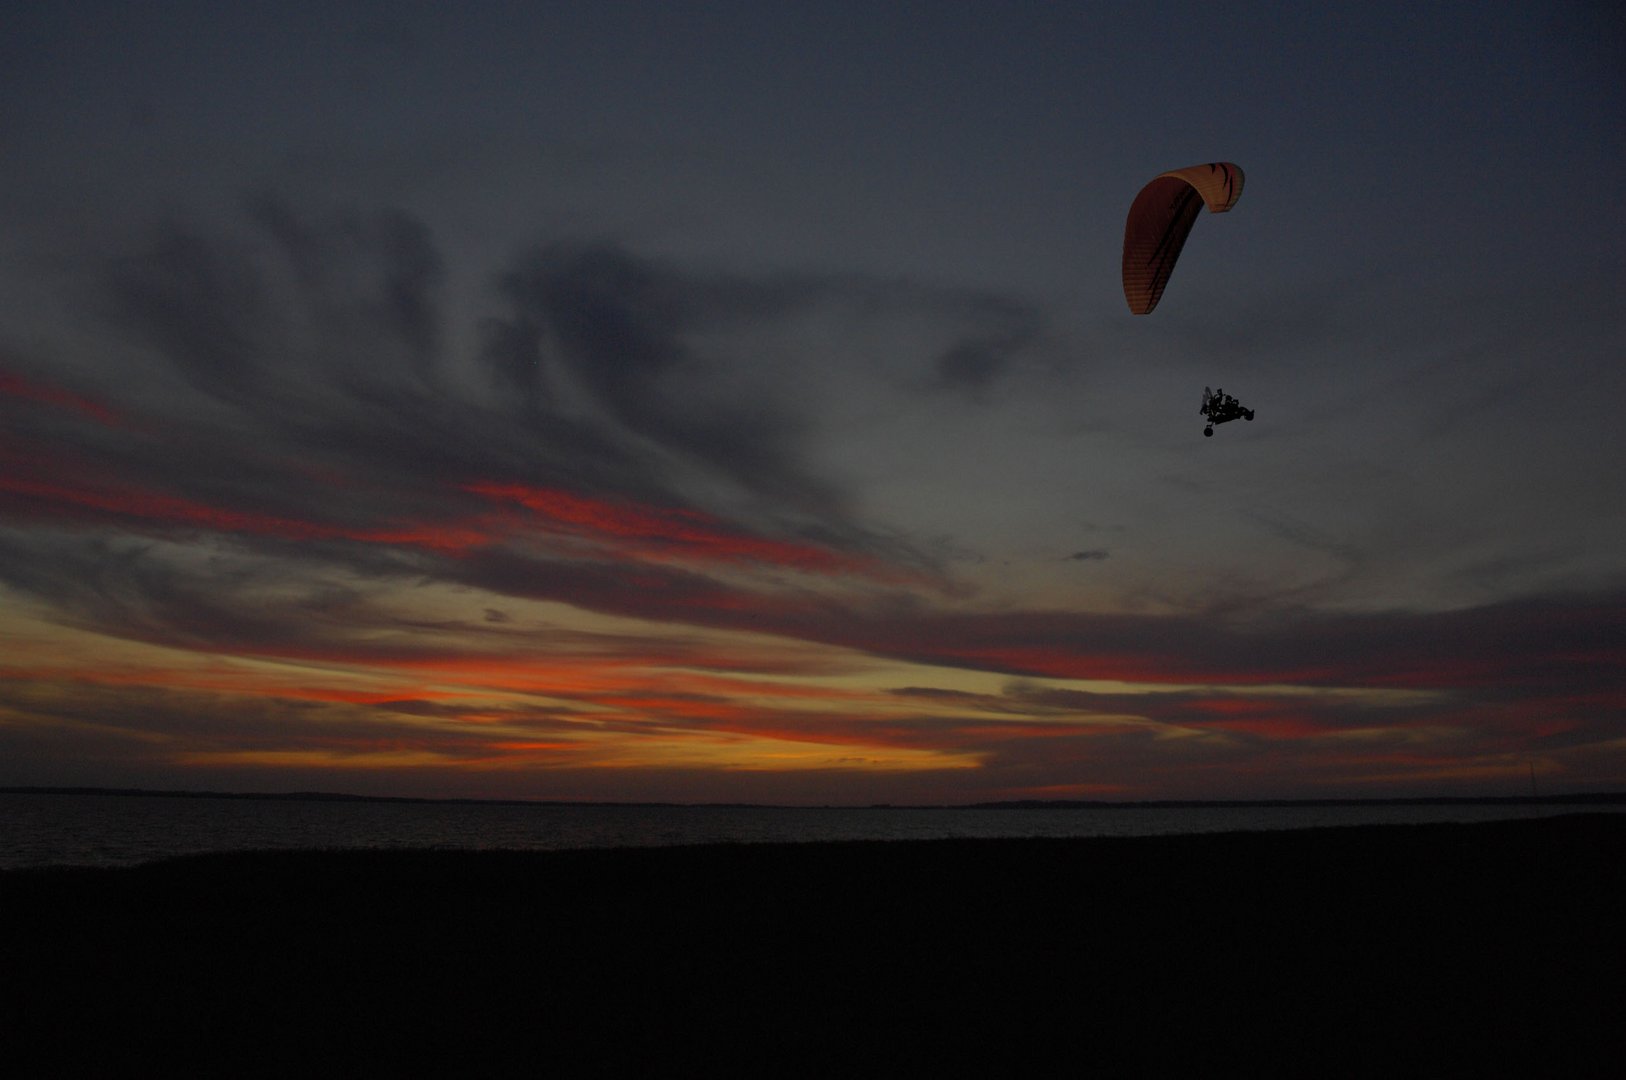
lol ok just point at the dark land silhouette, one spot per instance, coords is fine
(1374, 950)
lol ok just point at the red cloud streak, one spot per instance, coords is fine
(661, 532)
(171, 509)
(1072, 663)
(18, 387)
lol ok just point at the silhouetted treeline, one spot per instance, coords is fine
(1594, 798)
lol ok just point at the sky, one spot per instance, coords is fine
(737, 402)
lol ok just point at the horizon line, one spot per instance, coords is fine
(1588, 797)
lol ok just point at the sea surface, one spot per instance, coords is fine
(39, 829)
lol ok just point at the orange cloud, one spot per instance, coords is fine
(231, 680)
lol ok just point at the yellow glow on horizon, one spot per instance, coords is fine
(1390, 735)
(727, 754)
(761, 754)
(366, 759)
(427, 681)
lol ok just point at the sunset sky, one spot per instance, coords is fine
(712, 402)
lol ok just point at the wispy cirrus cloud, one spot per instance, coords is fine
(589, 542)
(298, 367)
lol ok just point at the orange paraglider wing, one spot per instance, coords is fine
(1160, 219)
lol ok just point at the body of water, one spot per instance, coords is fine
(122, 830)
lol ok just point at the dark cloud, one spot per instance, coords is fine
(1092, 555)
(1000, 330)
(322, 337)
(167, 595)
(391, 254)
(204, 308)
(1535, 645)
(592, 326)
(316, 346)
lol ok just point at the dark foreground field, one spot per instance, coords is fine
(1389, 950)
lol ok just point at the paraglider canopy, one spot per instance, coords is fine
(1160, 219)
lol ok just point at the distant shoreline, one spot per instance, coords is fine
(1592, 798)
